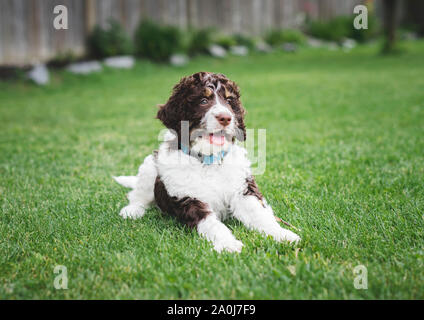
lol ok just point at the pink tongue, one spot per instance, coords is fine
(216, 140)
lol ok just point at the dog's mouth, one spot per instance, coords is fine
(217, 139)
(207, 142)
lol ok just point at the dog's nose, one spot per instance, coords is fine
(224, 119)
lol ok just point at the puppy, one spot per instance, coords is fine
(199, 174)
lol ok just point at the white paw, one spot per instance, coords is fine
(132, 212)
(232, 245)
(286, 235)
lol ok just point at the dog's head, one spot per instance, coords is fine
(211, 104)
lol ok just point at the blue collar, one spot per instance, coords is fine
(204, 159)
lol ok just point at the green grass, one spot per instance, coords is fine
(345, 163)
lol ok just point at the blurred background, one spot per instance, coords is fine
(27, 35)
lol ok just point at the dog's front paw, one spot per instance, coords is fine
(232, 245)
(132, 212)
(287, 235)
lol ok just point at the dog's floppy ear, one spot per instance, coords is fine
(239, 111)
(240, 121)
(171, 113)
(168, 114)
(241, 128)
(174, 110)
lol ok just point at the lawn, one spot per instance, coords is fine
(345, 163)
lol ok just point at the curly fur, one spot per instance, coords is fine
(200, 195)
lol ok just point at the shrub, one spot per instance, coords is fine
(243, 40)
(62, 59)
(200, 41)
(225, 41)
(342, 27)
(157, 42)
(363, 35)
(332, 30)
(279, 37)
(109, 41)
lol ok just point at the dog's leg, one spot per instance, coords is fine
(142, 196)
(197, 214)
(220, 236)
(257, 215)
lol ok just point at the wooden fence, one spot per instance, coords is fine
(27, 34)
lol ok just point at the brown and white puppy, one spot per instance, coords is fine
(199, 174)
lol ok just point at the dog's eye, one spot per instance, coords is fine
(230, 100)
(204, 101)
